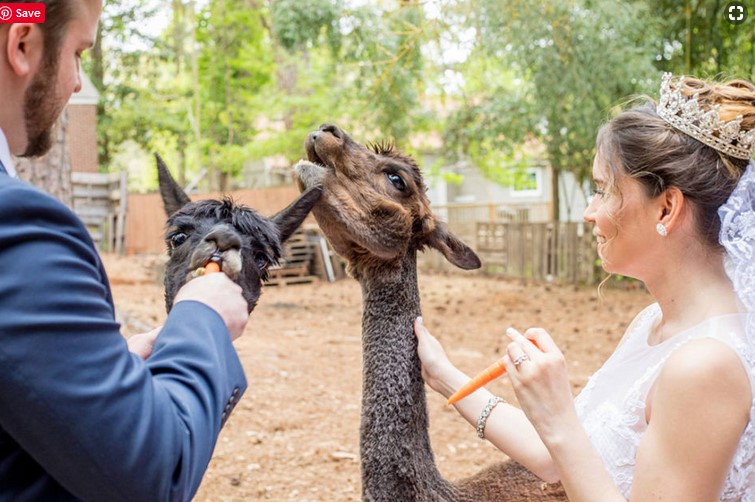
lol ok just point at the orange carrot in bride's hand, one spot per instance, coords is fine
(486, 376)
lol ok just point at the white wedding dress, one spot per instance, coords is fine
(611, 407)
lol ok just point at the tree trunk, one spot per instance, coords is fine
(195, 84)
(688, 37)
(179, 53)
(555, 196)
(51, 172)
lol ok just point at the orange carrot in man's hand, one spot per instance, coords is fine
(212, 267)
(486, 376)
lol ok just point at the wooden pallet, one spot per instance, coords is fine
(100, 199)
(296, 263)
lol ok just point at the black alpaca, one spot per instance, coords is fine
(244, 241)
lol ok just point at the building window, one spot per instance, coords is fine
(528, 183)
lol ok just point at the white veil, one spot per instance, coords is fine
(738, 238)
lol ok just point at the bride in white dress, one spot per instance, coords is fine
(670, 416)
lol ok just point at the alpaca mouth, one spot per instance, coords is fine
(314, 158)
(229, 260)
(310, 174)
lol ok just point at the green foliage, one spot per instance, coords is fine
(299, 24)
(234, 65)
(384, 47)
(120, 44)
(304, 91)
(565, 66)
(696, 38)
(504, 83)
(360, 68)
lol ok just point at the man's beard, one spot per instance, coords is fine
(42, 107)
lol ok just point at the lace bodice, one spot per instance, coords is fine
(611, 407)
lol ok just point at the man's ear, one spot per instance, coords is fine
(24, 46)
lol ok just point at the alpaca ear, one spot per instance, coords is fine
(289, 219)
(452, 248)
(174, 198)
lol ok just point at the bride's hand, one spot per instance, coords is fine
(539, 379)
(435, 363)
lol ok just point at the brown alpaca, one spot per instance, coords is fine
(244, 241)
(375, 213)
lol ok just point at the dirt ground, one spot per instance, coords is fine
(295, 433)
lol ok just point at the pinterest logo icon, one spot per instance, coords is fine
(25, 12)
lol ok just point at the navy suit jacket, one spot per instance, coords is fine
(81, 418)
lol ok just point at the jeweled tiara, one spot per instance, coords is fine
(685, 114)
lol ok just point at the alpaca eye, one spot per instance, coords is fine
(397, 181)
(261, 261)
(177, 239)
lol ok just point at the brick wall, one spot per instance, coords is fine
(82, 138)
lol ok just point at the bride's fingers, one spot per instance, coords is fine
(511, 370)
(527, 346)
(517, 356)
(419, 327)
(541, 339)
(534, 338)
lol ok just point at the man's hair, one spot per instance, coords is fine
(58, 13)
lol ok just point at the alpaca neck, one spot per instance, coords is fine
(397, 459)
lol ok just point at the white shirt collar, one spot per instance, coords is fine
(5, 157)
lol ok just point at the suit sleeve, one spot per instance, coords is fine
(105, 424)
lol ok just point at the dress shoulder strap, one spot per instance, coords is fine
(639, 328)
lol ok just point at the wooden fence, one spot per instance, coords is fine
(101, 200)
(462, 218)
(508, 241)
(560, 251)
(520, 241)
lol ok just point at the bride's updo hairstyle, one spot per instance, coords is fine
(640, 144)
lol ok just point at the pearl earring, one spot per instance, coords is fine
(661, 229)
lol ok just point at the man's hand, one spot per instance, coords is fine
(142, 343)
(222, 295)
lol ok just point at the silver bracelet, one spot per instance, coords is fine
(492, 403)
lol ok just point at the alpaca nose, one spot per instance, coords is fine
(326, 129)
(225, 238)
(332, 129)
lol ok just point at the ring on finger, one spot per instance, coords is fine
(520, 359)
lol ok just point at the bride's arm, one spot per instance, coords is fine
(507, 427)
(699, 409)
(698, 412)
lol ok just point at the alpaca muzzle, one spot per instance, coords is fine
(221, 246)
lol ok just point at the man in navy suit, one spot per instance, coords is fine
(82, 417)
